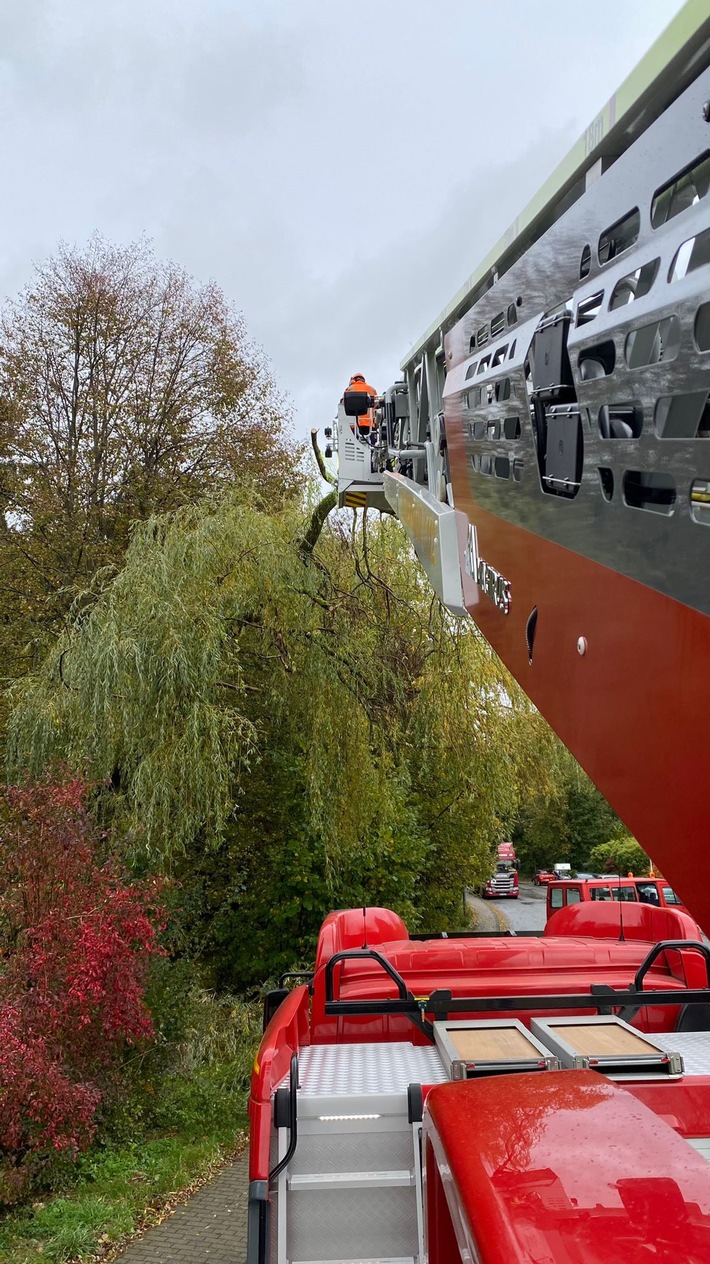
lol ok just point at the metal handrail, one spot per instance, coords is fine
(305, 975)
(349, 954)
(439, 1005)
(665, 944)
(292, 1121)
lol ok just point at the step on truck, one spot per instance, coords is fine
(510, 1099)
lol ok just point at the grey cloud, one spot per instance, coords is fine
(367, 318)
(202, 67)
(338, 169)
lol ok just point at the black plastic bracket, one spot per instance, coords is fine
(415, 1103)
(272, 1000)
(603, 989)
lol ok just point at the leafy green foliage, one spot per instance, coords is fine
(113, 1190)
(146, 687)
(565, 819)
(125, 390)
(182, 1109)
(622, 855)
(285, 730)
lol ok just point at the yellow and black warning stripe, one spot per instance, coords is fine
(355, 500)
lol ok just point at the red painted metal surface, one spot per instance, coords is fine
(287, 1032)
(357, 928)
(562, 1167)
(683, 1104)
(482, 967)
(606, 919)
(633, 708)
(341, 930)
(441, 1234)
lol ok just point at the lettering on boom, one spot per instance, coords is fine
(597, 130)
(489, 580)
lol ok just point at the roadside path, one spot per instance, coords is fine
(528, 912)
(486, 914)
(211, 1226)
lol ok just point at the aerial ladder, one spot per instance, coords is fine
(451, 1099)
(547, 449)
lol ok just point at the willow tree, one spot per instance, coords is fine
(565, 818)
(286, 727)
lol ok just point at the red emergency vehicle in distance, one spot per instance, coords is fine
(653, 891)
(503, 884)
(543, 876)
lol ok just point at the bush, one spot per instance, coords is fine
(621, 855)
(195, 1075)
(76, 938)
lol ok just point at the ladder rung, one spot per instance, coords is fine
(349, 1180)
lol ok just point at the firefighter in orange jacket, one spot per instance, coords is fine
(366, 422)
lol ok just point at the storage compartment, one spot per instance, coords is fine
(490, 1047)
(609, 1045)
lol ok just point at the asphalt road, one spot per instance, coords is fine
(528, 912)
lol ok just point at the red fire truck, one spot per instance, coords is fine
(503, 884)
(644, 890)
(497, 1098)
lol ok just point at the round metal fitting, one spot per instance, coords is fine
(581, 644)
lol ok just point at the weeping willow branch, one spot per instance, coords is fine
(249, 681)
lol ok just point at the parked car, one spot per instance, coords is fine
(587, 877)
(543, 876)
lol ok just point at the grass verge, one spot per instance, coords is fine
(115, 1191)
(177, 1123)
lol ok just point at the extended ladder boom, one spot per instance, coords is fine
(548, 451)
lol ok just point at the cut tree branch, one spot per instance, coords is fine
(324, 473)
(316, 524)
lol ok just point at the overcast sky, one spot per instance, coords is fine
(338, 168)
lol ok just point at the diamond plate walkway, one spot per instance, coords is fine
(211, 1226)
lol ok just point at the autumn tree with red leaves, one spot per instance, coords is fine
(76, 939)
